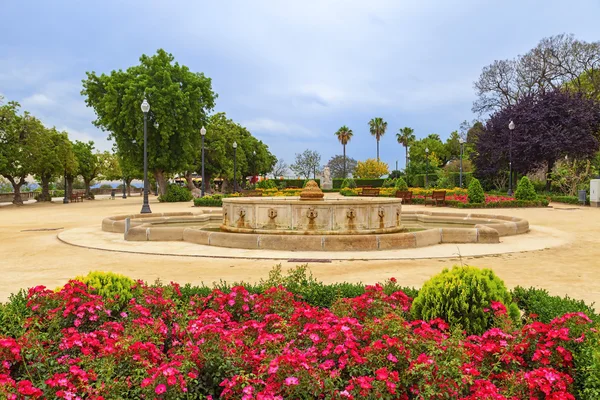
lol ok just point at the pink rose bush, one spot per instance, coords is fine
(273, 345)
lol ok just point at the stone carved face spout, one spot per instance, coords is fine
(381, 212)
(272, 213)
(312, 213)
(242, 213)
(351, 214)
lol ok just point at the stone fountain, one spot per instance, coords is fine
(311, 214)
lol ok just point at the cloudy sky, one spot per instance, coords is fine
(291, 71)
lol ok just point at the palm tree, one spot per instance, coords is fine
(344, 134)
(405, 137)
(377, 126)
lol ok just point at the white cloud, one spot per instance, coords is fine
(38, 99)
(269, 127)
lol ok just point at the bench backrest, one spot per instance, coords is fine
(404, 194)
(252, 193)
(370, 191)
(438, 194)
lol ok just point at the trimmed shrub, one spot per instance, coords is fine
(400, 184)
(209, 201)
(266, 184)
(525, 190)
(475, 192)
(13, 315)
(546, 307)
(109, 285)
(176, 193)
(348, 183)
(463, 296)
(388, 183)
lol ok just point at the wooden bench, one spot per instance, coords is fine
(77, 196)
(405, 195)
(436, 197)
(369, 191)
(251, 193)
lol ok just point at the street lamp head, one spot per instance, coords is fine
(145, 106)
(203, 131)
(461, 141)
(254, 152)
(511, 125)
(156, 124)
(427, 150)
(235, 145)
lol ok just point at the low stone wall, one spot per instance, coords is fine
(484, 229)
(8, 197)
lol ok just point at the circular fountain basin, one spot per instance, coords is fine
(293, 216)
(423, 228)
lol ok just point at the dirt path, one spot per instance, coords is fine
(32, 255)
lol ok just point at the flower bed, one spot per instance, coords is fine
(273, 345)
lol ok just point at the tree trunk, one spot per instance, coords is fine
(45, 195)
(207, 188)
(159, 175)
(69, 187)
(17, 200)
(548, 176)
(88, 190)
(344, 161)
(377, 149)
(128, 185)
(190, 182)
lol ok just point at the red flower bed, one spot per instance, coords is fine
(463, 198)
(272, 346)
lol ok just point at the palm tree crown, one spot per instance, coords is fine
(344, 134)
(405, 136)
(377, 126)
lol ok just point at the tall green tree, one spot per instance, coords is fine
(17, 144)
(453, 146)
(89, 161)
(47, 164)
(377, 127)
(405, 136)
(344, 134)
(179, 102)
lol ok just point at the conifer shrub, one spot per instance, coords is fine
(463, 296)
(349, 183)
(475, 192)
(525, 190)
(109, 285)
(400, 184)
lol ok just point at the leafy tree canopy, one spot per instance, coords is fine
(307, 164)
(336, 166)
(371, 169)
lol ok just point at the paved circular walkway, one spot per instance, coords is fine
(538, 238)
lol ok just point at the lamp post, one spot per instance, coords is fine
(202, 133)
(462, 142)
(406, 166)
(234, 167)
(254, 162)
(65, 199)
(511, 127)
(156, 125)
(427, 167)
(145, 108)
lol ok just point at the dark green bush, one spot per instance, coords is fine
(525, 190)
(462, 296)
(567, 199)
(586, 360)
(395, 174)
(176, 193)
(547, 307)
(209, 201)
(475, 192)
(498, 204)
(348, 183)
(13, 315)
(266, 184)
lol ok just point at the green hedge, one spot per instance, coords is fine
(499, 204)
(567, 199)
(337, 183)
(208, 201)
(299, 183)
(418, 180)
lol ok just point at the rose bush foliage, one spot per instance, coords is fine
(273, 345)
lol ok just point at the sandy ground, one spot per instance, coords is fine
(31, 254)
